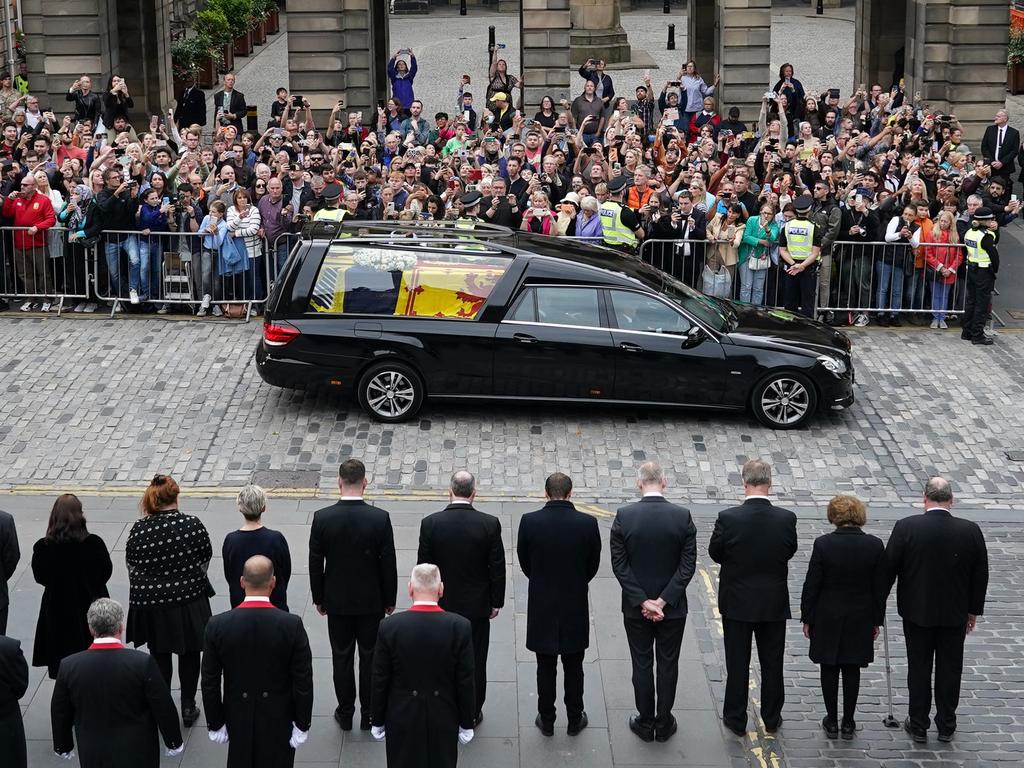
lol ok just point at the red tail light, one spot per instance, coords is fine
(277, 334)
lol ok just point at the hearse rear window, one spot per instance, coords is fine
(368, 280)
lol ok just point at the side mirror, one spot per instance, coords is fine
(693, 337)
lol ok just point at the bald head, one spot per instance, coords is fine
(258, 576)
(462, 486)
(938, 493)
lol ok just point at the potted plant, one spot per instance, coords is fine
(186, 62)
(211, 25)
(273, 18)
(1015, 61)
(238, 14)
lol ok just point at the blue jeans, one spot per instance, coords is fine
(940, 298)
(112, 252)
(751, 284)
(888, 287)
(913, 291)
(151, 266)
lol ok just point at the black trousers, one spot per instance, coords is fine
(799, 291)
(547, 676)
(3, 619)
(345, 633)
(771, 647)
(943, 647)
(830, 689)
(188, 672)
(481, 642)
(980, 282)
(653, 643)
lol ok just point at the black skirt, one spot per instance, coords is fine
(169, 628)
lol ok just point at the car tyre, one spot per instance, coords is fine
(391, 392)
(784, 400)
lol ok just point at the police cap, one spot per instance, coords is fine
(470, 199)
(617, 184)
(983, 214)
(803, 203)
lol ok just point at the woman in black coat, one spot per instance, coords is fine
(73, 566)
(842, 607)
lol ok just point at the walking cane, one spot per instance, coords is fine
(888, 721)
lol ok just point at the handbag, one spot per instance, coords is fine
(717, 284)
(760, 263)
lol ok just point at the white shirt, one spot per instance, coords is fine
(1000, 136)
(106, 641)
(654, 493)
(467, 502)
(351, 498)
(423, 602)
(757, 496)
(256, 599)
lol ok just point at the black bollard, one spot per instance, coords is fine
(820, 10)
(490, 42)
(462, 7)
(667, 8)
(671, 37)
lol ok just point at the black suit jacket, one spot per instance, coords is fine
(466, 545)
(191, 108)
(942, 566)
(1007, 152)
(422, 690)
(352, 569)
(654, 554)
(263, 656)
(116, 700)
(13, 684)
(10, 554)
(236, 106)
(754, 543)
(559, 551)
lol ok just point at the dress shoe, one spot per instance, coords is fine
(664, 734)
(577, 725)
(773, 727)
(644, 734)
(831, 727)
(895, 322)
(984, 341)
(189, 713)
(919, 737)
(848, 728)
(965, 335)
(548, 729)
(947, 737)
(740, 731)
(364, 723)
(478, 718)
(344, 721)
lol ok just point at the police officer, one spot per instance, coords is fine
(470, 211)
(620, 225)
(331, 211)
(800, 248)
(982, 265)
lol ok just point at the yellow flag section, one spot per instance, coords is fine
(388, 281)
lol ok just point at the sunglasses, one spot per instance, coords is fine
(261, 186)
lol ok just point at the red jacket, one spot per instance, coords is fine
(938, 254)
(37, 212)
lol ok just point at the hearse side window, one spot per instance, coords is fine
(526, 310)
(374, 280)
(637, 312)
(568, 306)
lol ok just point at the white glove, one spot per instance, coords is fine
(176, 751)
(465, 735)
(66, 755)
(298, 737)
(377, 732)
(220, 736)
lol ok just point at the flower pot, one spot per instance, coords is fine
(273, 22)
(181, 82)
(259, 33)
(1015, 78)
(227, 59)
(208, 72)
(243, 44)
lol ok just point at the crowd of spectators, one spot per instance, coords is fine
(894, 186)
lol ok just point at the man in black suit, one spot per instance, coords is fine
(229, 105)
(354, 580)
(654, 556)
(10, 554)
(466, 545)
(13, 684)
(423, 679)
(262, 653)
(191, 108)
(754, 543)
(942, 565)
(559, 551)
(1000, 144)
(114, 699)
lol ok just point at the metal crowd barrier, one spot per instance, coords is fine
(45, 270)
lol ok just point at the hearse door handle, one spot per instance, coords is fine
(524, 338)
(629, 346)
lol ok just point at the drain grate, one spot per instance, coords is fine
(269, 479)
(1015, 455)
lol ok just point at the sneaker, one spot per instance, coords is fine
(831, 727)
(984, 341)
(45, 307)
(91, 307)
(217, 311)
(133, 296)
(26, 307)
(861, 320)
(942, 325)
(164, 309)
(201, 312)
(4, 305)
(207, 298)
(935, 325)
(79, 307)
(118, 308)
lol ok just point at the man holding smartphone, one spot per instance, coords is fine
(593, 71)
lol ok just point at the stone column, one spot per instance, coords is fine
(956, 57)
(597, 32)
(881, 31)
(545, 41)
(338, 49)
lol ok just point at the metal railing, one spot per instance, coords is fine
(43, 267)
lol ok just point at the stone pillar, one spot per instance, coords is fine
(338, 49)
(701, 35)
(597, 32)
(881, 33)
(956, 52)
(545, 41)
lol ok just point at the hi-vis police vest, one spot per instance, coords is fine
(799, 239)
(977, 255)
(615, 232)
(330, 214)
